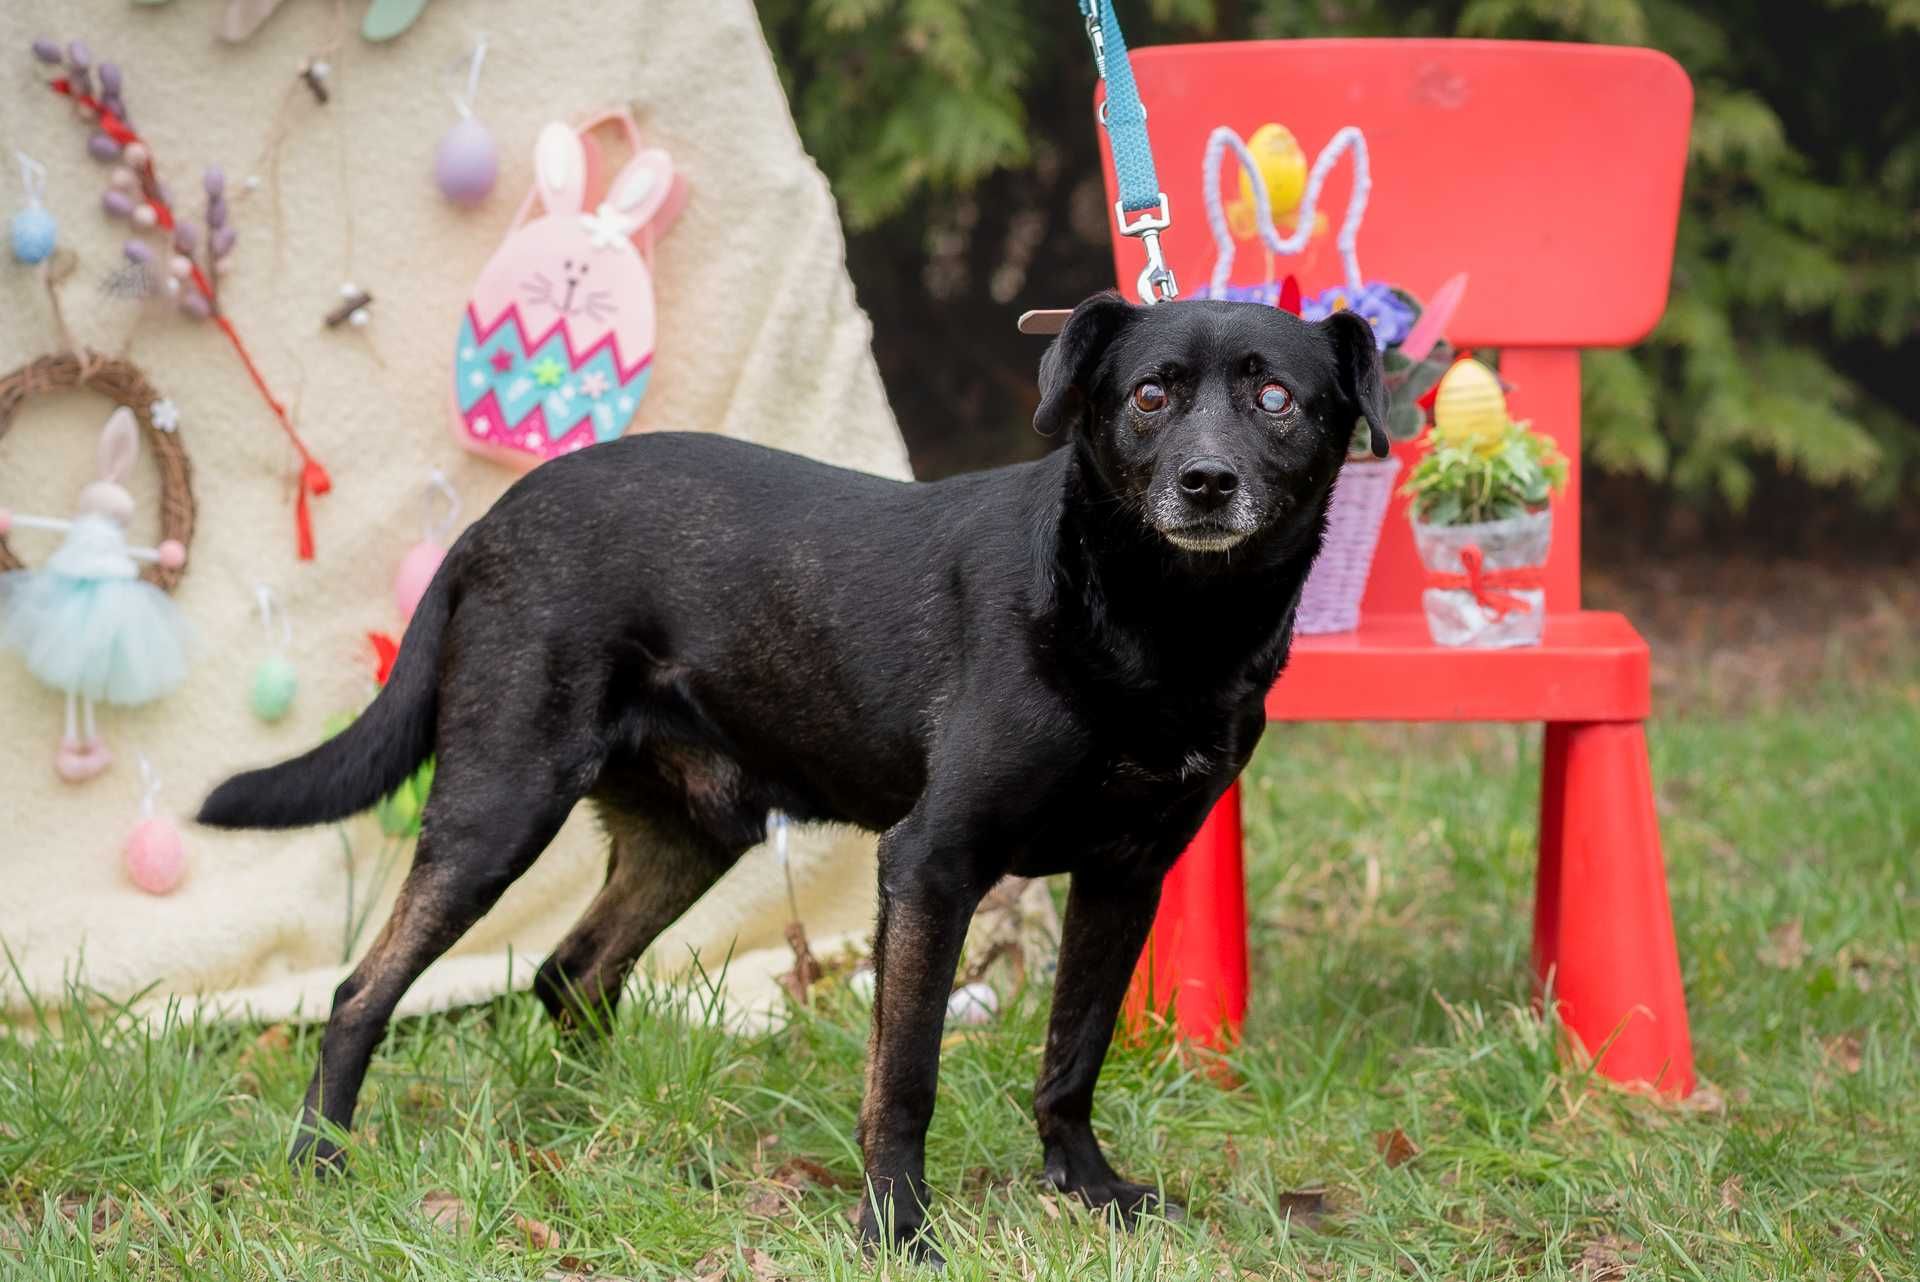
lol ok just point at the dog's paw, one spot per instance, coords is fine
(906, 1236)
(1133, 1203)
(316, 1154)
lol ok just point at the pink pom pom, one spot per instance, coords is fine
(156, 858)
(173, 554)
(416, 572)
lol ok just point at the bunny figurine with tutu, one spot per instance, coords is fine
(85, 622)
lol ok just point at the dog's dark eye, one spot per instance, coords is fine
(1275, 399)
(1149, 397)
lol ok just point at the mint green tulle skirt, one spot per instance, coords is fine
(112, 640)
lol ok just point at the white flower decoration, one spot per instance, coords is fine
(609, 228)
(165, 415)
(594, 384)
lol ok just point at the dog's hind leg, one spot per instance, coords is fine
(1105, 928)
(487, 819)
(657, 867)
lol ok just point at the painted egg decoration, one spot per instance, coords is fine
(467, 162)
(1470, 408)
(155, 856)
(33, 234)
(275, 682)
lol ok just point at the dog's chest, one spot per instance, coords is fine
(1136, 800)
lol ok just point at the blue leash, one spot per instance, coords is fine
(1124, 117)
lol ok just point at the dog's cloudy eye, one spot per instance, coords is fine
(1149, 397)
(1275, 399)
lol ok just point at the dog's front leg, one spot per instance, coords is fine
(1106, 926)
(925, 904)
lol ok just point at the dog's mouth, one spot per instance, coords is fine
(1204, 538)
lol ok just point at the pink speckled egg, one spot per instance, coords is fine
(156, 857)
(416, 571)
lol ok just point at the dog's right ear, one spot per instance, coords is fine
(1067, 367)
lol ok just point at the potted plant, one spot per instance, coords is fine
(1414, 356)
(1481, 516)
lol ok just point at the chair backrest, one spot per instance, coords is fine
(1550, 173)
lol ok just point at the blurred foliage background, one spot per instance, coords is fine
(958, 137)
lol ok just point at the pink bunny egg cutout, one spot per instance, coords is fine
(556, 345)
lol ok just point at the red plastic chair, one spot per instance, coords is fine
(1551, 173)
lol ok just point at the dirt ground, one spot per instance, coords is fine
(1730, 634)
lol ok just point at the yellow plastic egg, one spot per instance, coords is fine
(1282, 166)
(1470, 408)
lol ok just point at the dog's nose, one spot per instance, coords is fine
(1209, 481)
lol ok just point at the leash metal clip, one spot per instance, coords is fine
(1156, 283)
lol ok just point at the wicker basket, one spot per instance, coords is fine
(1330, 602)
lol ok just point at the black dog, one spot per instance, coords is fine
(1056, 667)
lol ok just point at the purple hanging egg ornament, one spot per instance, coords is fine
(466, 162)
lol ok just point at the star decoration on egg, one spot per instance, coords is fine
(548, 372)
(502, 360)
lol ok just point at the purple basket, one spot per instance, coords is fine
(1330, 602)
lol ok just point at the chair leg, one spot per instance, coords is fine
(1196, 957)
(1546, 890)
(1602, 926)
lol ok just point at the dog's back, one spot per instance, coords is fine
(753, 629)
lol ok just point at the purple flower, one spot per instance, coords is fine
(1374, 302)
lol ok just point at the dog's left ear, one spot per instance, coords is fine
(1361, 382)
(1067, 368)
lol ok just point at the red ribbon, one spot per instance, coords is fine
(313, 480)
(1289, 299)
(385, 652)
(1486, 584)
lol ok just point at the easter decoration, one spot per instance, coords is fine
(154, 855)
(1414, 353)
(1276, 182)
(1481, 516)
(385, 20)
(85, 623)
(466, 162)
(423, 559)
(389, 19)
(556, 343)
(169, 255)
(32, 232)
(275, 680)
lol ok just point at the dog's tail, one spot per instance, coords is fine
(362, 763)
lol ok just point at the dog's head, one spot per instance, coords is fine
(1214, 421)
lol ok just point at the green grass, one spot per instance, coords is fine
(1389, 886)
